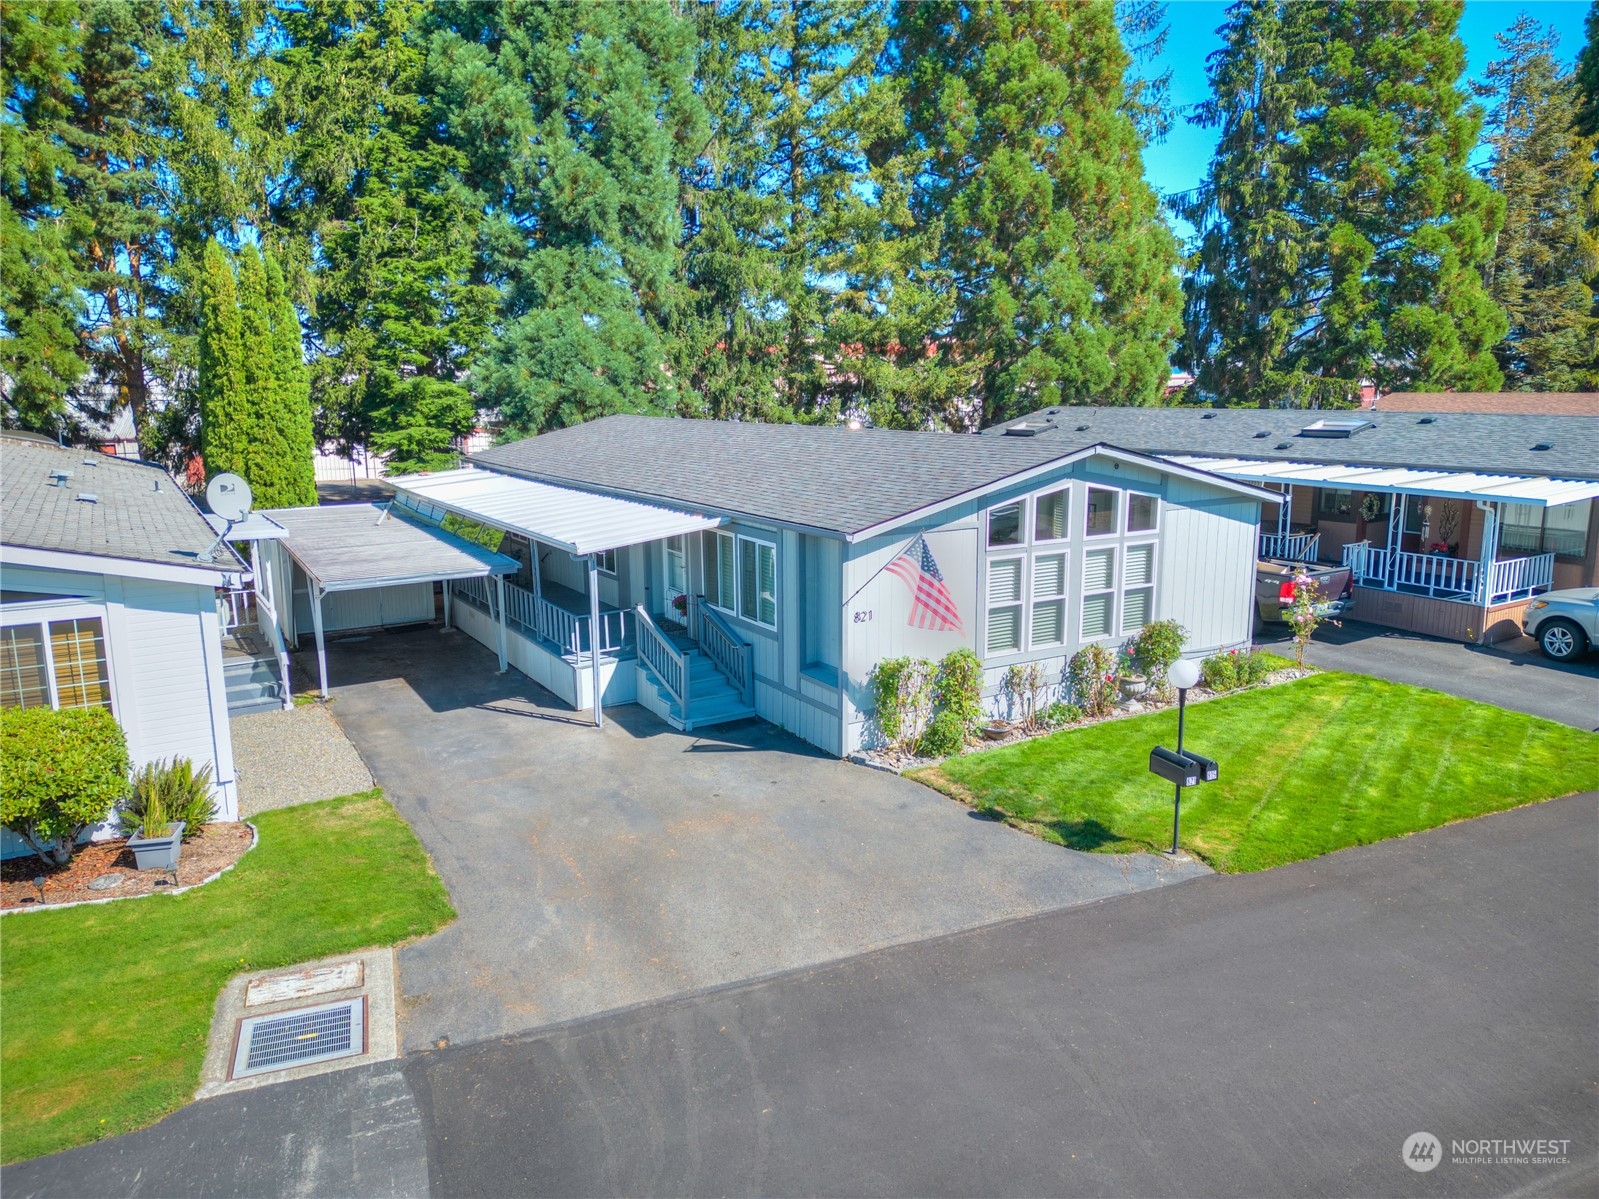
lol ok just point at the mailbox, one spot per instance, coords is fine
(1173, 767)
(1209, 772)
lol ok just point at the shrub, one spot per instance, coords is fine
(1154, 648)
(1092, 674)
(902, 690)
(945, 736)
(181, 792)
(958, 688)
(1301, 615)
(1237, 668)
(1025, 682)
(60, 773)
(1060, 713)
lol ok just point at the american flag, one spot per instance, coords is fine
(932, 606)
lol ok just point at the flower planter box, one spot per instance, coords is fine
(158, 853)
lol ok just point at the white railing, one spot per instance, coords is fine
(665, 660)
(1453, 578)
(1435, 573)
(1290, 547)
(236, 608)
(732, 655)
(1517, 577)
(534, 614)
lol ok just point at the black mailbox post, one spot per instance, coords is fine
(1181, 767)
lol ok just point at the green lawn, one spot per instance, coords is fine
(1306, 768)
(106, 1008)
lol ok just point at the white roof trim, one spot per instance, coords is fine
(580, 522)
(256, 526)
(127, 568)
(1536, 490)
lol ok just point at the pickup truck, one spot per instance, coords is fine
(1274, 588)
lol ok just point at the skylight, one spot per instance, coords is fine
(1346, 426)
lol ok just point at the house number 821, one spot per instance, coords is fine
(863, 617)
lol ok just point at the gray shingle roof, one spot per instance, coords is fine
(822, 477)
(348, 546)
(140, 513)
(1493, 443)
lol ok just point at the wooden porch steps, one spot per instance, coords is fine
(712, 699)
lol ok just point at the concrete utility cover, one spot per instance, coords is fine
(277, 988)
(105, 882)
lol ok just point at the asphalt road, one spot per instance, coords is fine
(1271, 1034)
(1512, 674)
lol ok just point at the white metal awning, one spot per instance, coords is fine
(580, 522)
(1536, 490)
(350, 547)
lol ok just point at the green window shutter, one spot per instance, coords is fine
(746, 577)
(726, 591)
(766, 557)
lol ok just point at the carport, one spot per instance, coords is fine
(362, 547)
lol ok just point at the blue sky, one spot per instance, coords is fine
(1179, 162)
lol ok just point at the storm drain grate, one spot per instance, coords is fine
(310, 1034)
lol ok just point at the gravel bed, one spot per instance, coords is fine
(294, 757)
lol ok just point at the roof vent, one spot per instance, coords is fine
(1428, 420)
(88, 497)
(1261, 434)
(1335, 427)
(1082, 428)
(1283, 445)
(91, 462)
(1544, 445)
(60, 477)
(1208, 416)
(1054, 411)
(1022, 430)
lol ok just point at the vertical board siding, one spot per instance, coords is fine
(1207, 567)
(168, 713)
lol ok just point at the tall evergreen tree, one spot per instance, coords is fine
(266, 451)
(1545, 254)
(1064, 271)
(576, 122)
(1587, 76)
(397, 312)
(293, 391)
(224, 399)
(1342, 234)
(137, 139)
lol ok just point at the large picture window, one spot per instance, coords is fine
(59, 664)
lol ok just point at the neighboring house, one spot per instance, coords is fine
(1450, 521)
(712, 570)
(106, 600)
(1525, 403)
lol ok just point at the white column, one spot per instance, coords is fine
(321, 641)
(1396, 537)
(1285, 511)
(1489, 553)
(447, 585)
(499, 594)
(594, 635)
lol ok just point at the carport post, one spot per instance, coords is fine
(499, 595)
(321, 642)
(594, 634)
(448, 583)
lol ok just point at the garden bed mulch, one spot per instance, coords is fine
(211, 851)
(898, 763)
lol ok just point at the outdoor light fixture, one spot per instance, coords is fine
(1179, 768)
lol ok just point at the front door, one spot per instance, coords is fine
(676, 579)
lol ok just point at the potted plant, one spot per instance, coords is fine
(680, 605)
(159, 841)
(998, 730)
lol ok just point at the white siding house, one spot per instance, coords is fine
(804, 551)
(104, 601)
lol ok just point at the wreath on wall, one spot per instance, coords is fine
(1371, 506)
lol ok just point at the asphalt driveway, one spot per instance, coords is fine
(597, 869)
(1512, 674)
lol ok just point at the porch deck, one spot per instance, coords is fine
(1456, 580)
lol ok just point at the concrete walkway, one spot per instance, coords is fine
(1512, 674)
(595, 869)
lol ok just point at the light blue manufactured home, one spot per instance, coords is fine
(712, 570)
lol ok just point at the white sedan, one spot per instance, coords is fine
(1566, 623)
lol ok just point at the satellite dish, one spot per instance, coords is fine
(229, 497)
